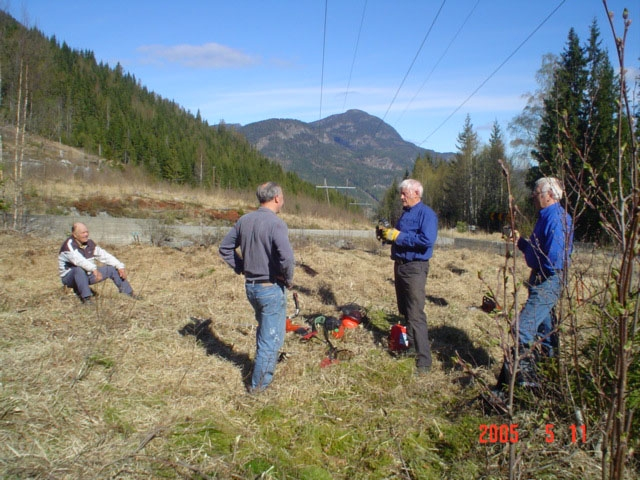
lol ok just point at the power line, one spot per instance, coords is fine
(495, 71)
(412, 63)
(354, 54)
(440, 59)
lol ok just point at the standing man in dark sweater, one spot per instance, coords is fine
(266, 260)
(412, 240)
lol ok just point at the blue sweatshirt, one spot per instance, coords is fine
(544, 251)
(418, 227)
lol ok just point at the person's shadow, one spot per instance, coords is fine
(214, 345)
(450, 343)
(447, 343)
(381, 334)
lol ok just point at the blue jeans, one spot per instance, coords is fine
(537, 318)
(270, 305)
(78, 279)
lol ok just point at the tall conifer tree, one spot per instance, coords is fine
(578, 131)
(461, 184)
(491, 184)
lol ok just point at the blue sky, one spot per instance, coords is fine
(420, 65)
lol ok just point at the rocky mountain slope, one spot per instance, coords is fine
(349, 149)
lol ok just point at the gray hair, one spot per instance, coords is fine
(411, 184)
(268, 191)
(552, 185)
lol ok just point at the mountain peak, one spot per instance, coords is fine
(360, 122)
(353, 148)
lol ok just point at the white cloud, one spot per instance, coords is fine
(208, 55)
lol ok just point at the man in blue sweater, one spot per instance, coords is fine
(547, 253)
(412, 240)
(266, 260)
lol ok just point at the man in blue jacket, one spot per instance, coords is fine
(547, 253)
(412, 240)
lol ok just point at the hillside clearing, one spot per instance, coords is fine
(116, 392)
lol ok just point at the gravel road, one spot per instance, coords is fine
(123, 231)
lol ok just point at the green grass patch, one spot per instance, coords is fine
(101, 361)
(208, 438)
(208, 272)
(114, 418)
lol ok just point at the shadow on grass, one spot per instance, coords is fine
(447, 341)
(438, 301)
(380, 330)
(327, 297)
(214, 345)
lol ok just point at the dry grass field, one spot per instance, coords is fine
(115, 391)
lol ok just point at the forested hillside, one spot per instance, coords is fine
(63, 94)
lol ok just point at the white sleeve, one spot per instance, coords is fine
(105, 257)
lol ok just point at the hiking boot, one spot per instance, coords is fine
(88, 301)
(283, 356)
(422, 371)
(497, 394)
(409, 352)
(527, 376)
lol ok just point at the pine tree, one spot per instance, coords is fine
(600, 134)
(563, 109)
(390, 207)
(461, 187)
(431, 173)
(491, 185)
(578, 131)
(105, 111)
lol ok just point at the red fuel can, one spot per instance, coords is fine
(398, 340)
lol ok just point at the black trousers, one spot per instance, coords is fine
(411, 280)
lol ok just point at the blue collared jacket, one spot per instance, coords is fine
(418, 226)
(544, 251)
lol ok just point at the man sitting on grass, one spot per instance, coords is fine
(78, 269)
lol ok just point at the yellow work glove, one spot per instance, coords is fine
(390, 234)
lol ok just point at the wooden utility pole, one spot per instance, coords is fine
(327, 187)
(21, 121)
